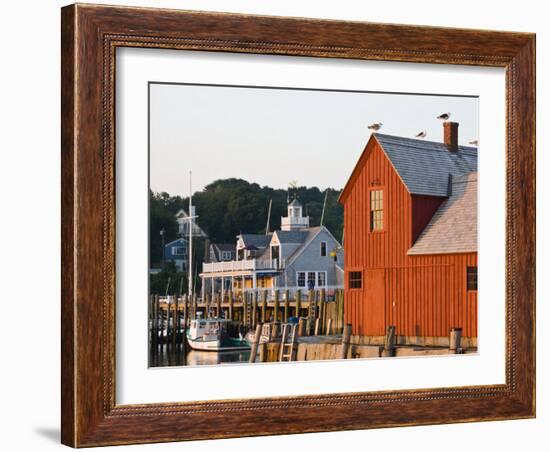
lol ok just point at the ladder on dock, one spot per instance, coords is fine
(288, 342)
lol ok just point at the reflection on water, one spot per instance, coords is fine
(200, 358)
(165, 355)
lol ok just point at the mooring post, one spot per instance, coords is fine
(346, 339)
(317, 326)
(389, 342)
(254, 348)
(454, 340)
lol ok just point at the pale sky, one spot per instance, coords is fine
(274, 136)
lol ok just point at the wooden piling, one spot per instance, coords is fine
(185, 312)
(389, 342)
(175, 322)
(286, 295)
(329, 327)
(298, 303)
(254, 348)
(302, 326)
(346, 339)
(322, 310)
(455, 339)
(317, 326)
(263, 352)
(255, 309)
(311, 300)
(264, 305)
(276, 305)
(230, 300)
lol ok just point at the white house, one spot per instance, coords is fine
(183, 223)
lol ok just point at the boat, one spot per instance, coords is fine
(214, 335)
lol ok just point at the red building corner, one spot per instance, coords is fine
(410, 239)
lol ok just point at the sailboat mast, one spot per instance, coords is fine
(190, 258)
(268, 217)
(324, 207)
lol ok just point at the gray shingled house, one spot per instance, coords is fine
(295, 257)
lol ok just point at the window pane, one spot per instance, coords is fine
(311, 279)
(321, 279)
(355, 280)
(301, 279)
(471, 278)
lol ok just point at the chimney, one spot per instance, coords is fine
(450, 135)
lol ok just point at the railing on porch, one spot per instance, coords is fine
(232, 266)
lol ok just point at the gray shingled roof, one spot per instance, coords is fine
(257, 240)
(453, 228)
(292, 236)
(225, 246)
(424, 166)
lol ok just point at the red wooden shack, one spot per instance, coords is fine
(410, 237)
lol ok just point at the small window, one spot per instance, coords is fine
(376, 210)
(471, 278)
(323, 249)
(322, 279)
(226, 255)
(177, 250)
(355, 280)
(301, 279)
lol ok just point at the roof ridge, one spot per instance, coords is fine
(440, 145)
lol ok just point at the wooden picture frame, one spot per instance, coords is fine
(90, 36)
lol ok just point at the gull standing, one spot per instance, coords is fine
(421, 134)
(376, 126)
(473, 143)
(444, 116)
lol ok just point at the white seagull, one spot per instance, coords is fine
(421, 134)
(376, 126)
(444, 116)
(473, 143)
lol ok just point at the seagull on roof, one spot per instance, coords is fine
(421, 134)
(376, 126)
(444, 116)
(473, 143)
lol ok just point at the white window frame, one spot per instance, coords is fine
(325, 279)
(175, 251)
(298, 279)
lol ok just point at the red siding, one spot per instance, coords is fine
(420, 295)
